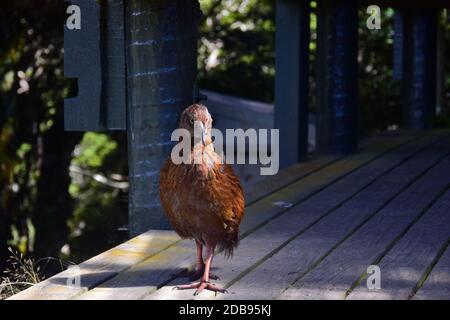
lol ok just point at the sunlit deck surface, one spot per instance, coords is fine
(309, 233)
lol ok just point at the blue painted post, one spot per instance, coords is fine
(94, 57)
(337, 84)
(161, 42)
(291, 79)
(419, 55)
(83, 63)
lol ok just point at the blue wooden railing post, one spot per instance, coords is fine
(291, 79)
(419, 67)
(337, 83)
(161, 46)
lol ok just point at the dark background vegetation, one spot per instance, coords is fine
(63, 195)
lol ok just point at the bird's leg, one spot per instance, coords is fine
(199, 267)
(204, 283)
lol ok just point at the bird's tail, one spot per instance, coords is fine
(229, 243)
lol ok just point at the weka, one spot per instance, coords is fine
(203, 200)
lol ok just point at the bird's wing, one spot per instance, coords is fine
(233, 195)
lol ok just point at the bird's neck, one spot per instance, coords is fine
(204, 155)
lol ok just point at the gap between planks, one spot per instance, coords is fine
(436, 283)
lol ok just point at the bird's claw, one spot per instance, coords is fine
(200, 286)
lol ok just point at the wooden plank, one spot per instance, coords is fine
(271, 184)
(174, 261)
(263, 243)
(101, 267)
(403, 267)
(342, 268)
(146, 276)
(437, 284)
(279, 202)
(236, 112)
(269, 279)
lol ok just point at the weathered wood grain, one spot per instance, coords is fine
(270, 278)
(256, 210)
(261, 244)
(279, 202)
(101, 267)
(437, 284)
(271, 184)
(146, 276)
(337, 272)
(403, 267)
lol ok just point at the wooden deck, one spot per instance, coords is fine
(309, 233)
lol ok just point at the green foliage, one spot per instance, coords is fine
(31, 86)
(93, 149)
(99, 187)
(236, 53)
(379, 93)
(236, 56)
(38, 215)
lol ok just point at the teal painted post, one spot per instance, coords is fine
(291, 79)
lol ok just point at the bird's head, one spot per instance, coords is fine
(197, 120)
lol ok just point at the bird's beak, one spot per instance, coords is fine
(203, 134)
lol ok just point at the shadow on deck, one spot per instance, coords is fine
(309, 232)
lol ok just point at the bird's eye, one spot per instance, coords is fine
(192, 120)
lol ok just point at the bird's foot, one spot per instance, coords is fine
(194, 274)
(200, 286)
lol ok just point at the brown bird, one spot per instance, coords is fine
(204, 200)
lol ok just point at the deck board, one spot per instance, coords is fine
(102, 267)
(343, 267)
(320, 217)
(279, 202)
(271, 184)
(437, 284)
(269, 280)
(404, 266)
